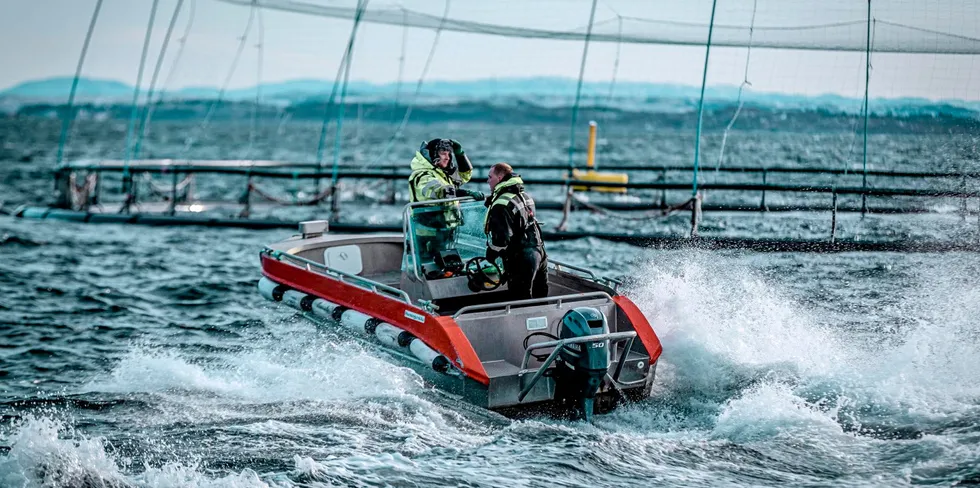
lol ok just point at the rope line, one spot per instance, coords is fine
(853, 131)
(649, 215)
(319, 197)
(165, 191)
(619, 48)
(745, 82)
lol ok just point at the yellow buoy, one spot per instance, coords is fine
(594, 176)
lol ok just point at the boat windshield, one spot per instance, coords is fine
(433, 230)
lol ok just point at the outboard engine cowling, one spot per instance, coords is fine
(581, 367)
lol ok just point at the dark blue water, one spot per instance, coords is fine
(139, 356)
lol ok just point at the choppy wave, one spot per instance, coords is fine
(144, 357)
(758, 385)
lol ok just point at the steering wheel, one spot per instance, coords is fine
(479, 280)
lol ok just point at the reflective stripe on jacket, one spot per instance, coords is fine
(428, 182)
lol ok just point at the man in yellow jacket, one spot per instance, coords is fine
(439, 168)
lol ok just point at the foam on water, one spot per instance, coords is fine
(294, 363)
(747, 364)
(771, 410)
(45, 452)
(39, 456)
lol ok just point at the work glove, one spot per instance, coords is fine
(457, 148)
(471, 193)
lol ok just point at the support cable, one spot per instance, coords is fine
(578, 89)
(344, 61)
(224, 86)
(853, 131)
(349, 55)
(867, 81)
(619, 47)
(70, 111)
(181, 42)
(260, 48)
(418, 86)
(401, 67)
(704, 81)
(143, 126)
(136, 93)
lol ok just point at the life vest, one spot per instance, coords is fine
(520, 206)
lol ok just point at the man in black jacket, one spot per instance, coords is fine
(514, 235)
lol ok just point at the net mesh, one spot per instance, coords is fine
(936, 27)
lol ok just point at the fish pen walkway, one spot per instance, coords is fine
(161, 192)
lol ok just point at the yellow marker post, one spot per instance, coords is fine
(590, 158)
(592, 175)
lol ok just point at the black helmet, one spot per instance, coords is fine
(436, 145)
(433, 147)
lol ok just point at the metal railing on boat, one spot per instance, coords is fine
(588, 273)
(339, 275)
(558, 345)
(531, 302)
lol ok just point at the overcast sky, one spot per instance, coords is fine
(42, 38)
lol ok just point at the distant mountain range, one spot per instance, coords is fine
(51, 89)
(544, 91)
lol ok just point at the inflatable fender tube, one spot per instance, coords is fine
(354, 320)
(293, 298)
(429, 356)
(323, 308)
(388, 334)
(266, 286)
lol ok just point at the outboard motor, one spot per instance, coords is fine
(581, 367)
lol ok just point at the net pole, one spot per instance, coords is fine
(348, 55)
(66, 121)
(136, 93)
(578, 89)
(704, 81)
(867, 80)
(144, 126)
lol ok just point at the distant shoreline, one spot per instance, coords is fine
(545, 91)
(654, 114)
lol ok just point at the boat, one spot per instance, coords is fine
(446, 312)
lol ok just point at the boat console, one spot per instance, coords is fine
(443, 256)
